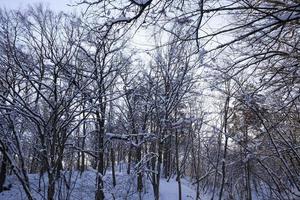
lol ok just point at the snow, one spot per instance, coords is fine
(141, 2)
(120, 19)
(288, 16)
(169, 190)
(82, 187)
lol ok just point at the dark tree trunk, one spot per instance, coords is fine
(140, 175)
(112, 155)
(82, 155)
(51, 187)
(4, 164)
(158, 168)
(129, 160)
(226, 107)
(100, 163)
(82, 165)
(178, 166)
(247, 167)
(167, 157)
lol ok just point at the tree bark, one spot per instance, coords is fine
(226, 107)
(51, 187)
(129, 160)
(112, 154)
(178, 166)
(3, 170)
(100, 163)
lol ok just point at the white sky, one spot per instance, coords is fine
(57, 5)
(140, 41)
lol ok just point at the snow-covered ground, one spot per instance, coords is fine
(82, 187)
(169, 190)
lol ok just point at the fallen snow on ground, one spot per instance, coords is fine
(169, 190)
(82, 187)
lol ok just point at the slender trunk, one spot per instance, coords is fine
(153, 167)
(223, 168)
(106, 163)
(121, 159)
(82, 165)
(167, 158)
(140, 175)
(217, 165)
(178, 166)
(79, 152)
(33, 163)
(225, 147)
(248, 182)
(112, 154)
(159, 162)
(129, 160)
(138, 164)
(196, 168)
(247, 168)
(100, 163)
(78, 160)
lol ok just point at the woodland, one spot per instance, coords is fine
(143, 99)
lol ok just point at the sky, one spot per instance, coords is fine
(62, 5)
(141, 40)
(57, 5)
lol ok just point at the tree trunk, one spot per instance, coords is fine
(159, 162)
(226, 107)
(139, 175)
(3, 170)
(112, 154)
(82, 165)
(51, 187)
(167, 158)
(129, 160)
(248, 182)
(217, 165)
(100, 164)
(223, 168)
(247, 168)
(178, 166)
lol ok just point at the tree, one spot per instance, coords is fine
(40, 52)
(106, 63)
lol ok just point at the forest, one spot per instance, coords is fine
(150, 100)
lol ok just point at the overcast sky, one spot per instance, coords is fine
(57, 5)
(61, 5)
(141, 40)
